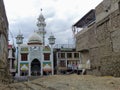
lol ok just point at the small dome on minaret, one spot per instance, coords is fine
(41, 18)
(19, 38)
(41, 21)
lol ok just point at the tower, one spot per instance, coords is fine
(19, 39)
(41, 27)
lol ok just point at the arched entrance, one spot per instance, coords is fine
(35, 67)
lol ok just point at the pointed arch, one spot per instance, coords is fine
(35, 67)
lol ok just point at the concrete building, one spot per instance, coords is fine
(82, 37)
(11, 59)
(99, 37)
(34, 58)
(66, 58)
(4, 69)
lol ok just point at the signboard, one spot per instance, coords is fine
(66, 49)
(24, 49)
(47, 66)
(24, 66)
(46, 48)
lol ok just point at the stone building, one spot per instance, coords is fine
(4, 69)
(98, 38)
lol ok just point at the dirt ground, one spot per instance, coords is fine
(67, 82)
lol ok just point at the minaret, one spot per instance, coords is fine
(19, 39)
(41, 27)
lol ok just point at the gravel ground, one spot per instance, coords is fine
(67, 82)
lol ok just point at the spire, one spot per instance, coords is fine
(41, 9)
(41, 26)
(19, 32)
(41, 21)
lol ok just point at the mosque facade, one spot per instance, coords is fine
(34, 58)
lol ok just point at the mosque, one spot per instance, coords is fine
(34, 58)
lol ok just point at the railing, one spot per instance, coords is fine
(64, 46)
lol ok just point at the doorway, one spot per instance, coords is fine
(35, 68)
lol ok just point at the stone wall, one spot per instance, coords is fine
(4, 69)
(108, 36)
(82, 37)
(103, 41)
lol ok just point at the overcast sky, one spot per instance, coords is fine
(60, 16)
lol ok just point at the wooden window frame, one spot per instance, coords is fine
(24, 56)
(46, 56)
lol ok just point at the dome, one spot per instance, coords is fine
(35, 39)
(41, 18)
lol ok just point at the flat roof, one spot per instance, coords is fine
(86, 19)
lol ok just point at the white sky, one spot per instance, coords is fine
(60, 16)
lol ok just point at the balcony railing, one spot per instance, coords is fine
(58, 46)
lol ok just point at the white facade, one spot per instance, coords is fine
(34, 62)
(68, 59)
(34, 58)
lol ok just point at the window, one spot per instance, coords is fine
(59, 55)
(13, 66)
(24, 57)
(69, 55)
(62, 55)
(76, 55)
(62, 63)
(46, 56)
(119, 6)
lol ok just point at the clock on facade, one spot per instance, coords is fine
(35, 48)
